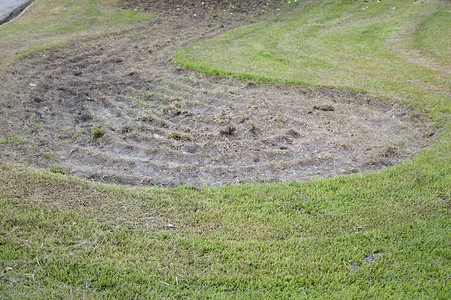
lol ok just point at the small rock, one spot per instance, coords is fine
(293, 133)
(324, 107)
(371, 258)
(85, 117)
(228, 130)
(325, 156)
(386, 162)
(170, 225)
(190, 148)
(304, 197)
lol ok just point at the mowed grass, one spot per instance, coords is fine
(377, 235)
(391, 49)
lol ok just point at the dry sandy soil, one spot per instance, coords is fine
(165, 125)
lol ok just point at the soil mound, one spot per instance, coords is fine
(117, 108)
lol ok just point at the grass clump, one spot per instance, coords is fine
(179, 136)
(14, 141)
(98, 133)
(57, 169)
(49, 155)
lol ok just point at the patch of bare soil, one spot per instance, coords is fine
(207, 8)
(160, 124)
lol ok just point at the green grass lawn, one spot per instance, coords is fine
(388, 49)
(376, 235)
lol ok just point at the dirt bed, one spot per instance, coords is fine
(116, 108)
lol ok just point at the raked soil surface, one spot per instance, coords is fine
(167, 126)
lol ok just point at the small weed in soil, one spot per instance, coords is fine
(179, 136)
(48, 155)
(98, 133)
(58, 169)
(254, 128)
(126, 129)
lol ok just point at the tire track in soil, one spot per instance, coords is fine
(166, 126)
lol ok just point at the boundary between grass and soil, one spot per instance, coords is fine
(17, 12)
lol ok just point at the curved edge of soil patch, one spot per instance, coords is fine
(98, 114)
(17, 12)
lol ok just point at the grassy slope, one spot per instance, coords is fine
(341, 45)
(61, 236)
